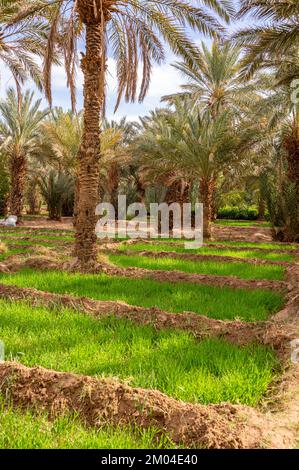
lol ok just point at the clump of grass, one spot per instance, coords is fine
(248, 254)
(24, 430)
(215, 302)
(241, 270)
(174, 362)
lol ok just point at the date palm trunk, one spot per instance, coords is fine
(17, 181)
(33, 198)
(89, 152)
(206, 192)
(292, 148)
(261, 208)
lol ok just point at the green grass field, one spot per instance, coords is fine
(8, 253)
(240, 270)
(215, 302)
(11, 236)
(205, 250)
(23, 430)
(174, 362)
(232, 243)
(241, 223)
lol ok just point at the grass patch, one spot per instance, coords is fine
(215, 302)
(24, 430)
(36, 237)
(248, 254)
(15, 251)
(231, 243)
(262, 245)
(240, 270)
(241, 223)
(210, 371)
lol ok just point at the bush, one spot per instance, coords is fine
(238, 213)
(57, 190)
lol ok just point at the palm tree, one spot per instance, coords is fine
(19, 139)
(19, 42)
(282, 117)
(214, 80)
(133, 31)
(276, 35)
(60, 139)
(193, 146)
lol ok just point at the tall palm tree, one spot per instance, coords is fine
(282, 117)
(134, 32)
(20, 42)
(193, 145)
(19, 139)
(214, 80)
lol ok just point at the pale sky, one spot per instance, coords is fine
(165, 80)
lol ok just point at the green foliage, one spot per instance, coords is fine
(58, 191)
(283, 206)
(238, 213)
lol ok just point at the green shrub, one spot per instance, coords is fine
(238, 213)
(57, 190)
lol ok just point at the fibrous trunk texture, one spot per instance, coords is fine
(33, 199)
(89, 151)
(18, 175)
(262, 208)
(292, 148)
(178, 192)
(207, 188)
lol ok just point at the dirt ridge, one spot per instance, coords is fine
(194, 257)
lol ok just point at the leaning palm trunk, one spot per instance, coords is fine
(18, 176)
(207, 188)
(89, 151)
